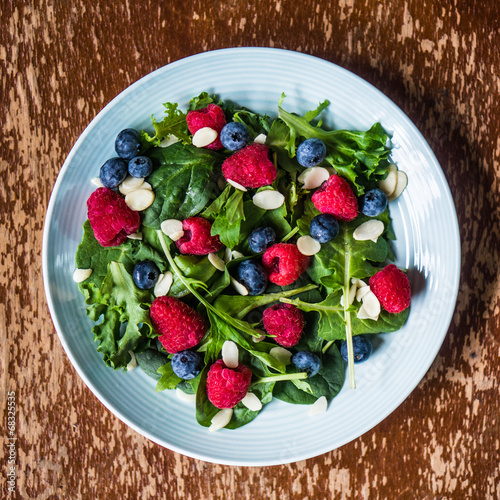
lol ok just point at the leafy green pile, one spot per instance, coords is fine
(185, 184)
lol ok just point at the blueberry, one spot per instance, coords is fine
(113, 172)
(187, 364)
(306, 361)
(361, 347)
(252, 276)
(145, 274)
(234, 136)
(324, 228)
(261, 238)
(128, 143)
(373, 202)
(311, 152)
(140, 166)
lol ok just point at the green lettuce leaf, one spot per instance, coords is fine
(174, 123)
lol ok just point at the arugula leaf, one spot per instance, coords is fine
(174, 123)
(121, 304)
(197, 270)
(182, 183)
(228, 221)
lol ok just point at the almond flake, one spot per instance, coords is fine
(176, 236)
(308, 246)
(228, 255)
(171, 226)
(371, 304)
(237, 185)
(217, 262)
(237, 255)
(204, 136)
(239, 287)
(81, 275)
(135, 236)
(281, 354)
(168, 141)
(133, 361)
(400, 187)
(268, 199)
(97, 182)
(130, 184)
(313, 177)
(351, 296)
(359, 283)
(362, 291)
(260, 139)
(388, 185)
(318, 407)
(260, 338)
(369, 230)
(163, 284)
(252, 402)
(221, 419)
(230, 354)
(183, 396)
(139, 199)
(362, 314)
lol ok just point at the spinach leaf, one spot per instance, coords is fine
(182, 183)
(150, 360)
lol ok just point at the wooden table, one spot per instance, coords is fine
(61, 62)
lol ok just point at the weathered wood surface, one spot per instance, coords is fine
(61, 62)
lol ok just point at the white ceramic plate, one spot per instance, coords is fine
(424, 220)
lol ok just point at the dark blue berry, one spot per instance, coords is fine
(311, 152)
(373, 202)
(324, 228)
(234, 136)
(361, 348)
(261, 238)
(145, 274)
(186, 364)
(113, 172)
(140, 166)
(128, 143)
(306, 361)
(252, 276)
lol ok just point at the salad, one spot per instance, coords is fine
(237, 258)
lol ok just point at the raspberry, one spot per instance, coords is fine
(180, 327)
(336, 197)
(250, 166)
(226, 387)
(110, 217)
(212, 116)
(284, 263)
(197, 239)
(392, 289)
(285, 322)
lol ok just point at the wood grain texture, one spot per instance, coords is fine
(61, 62)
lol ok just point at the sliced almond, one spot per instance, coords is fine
(319, 406)
(204, 136)
(369, 230)
(371, 304)
(260, 338)
(80, 275)
(361, 292)
(237, 255)
(260, 139)
(97, 182)
(239, 287)
(147, 185)
(163, 284)
(388, 185)
(400, 187)
(172, 226)
(190, 398)
(135, 236)
(221, 419)
(313, 177)
(130, 184)
(228, 255)
(362, 314)
(217, 262)
(252, 402)
(176, 236)
(359, 283)
(230, 354)
(168, 141)
(281, 354)
(268, 199)
(237, 185)
(351, 296)
(139, 199)
(308, 245)
(133, 361)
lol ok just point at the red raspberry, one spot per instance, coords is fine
(110, 217)
(226, 387)
(285, 322)
(180, 327)
(392, 289)
(212, 116)
(284, 263)
(250, 167)
(337, 198)
(197, 239)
